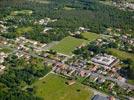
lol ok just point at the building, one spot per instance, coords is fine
(2, 67)
(70, 82)
(99, 97)
(105, 60)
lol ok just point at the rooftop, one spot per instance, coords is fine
(98, 97)
(104, 59)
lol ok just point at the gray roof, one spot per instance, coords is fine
(98, 97)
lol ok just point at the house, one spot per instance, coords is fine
(99, 97)
(2, 57)
(71, 82)
(93, 78)
(82, 73)
(121, 79)
(2, 67)
(82, 29)
(94, 68)
(111, 86)
(46, 29)
(101, 80)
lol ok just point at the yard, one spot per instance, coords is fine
(90, 36)
(54, 87)
(68, 44)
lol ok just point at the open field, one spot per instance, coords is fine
(90, 36)
(121, 54)
(68, 44)
(53, 87)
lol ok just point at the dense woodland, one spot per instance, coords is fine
(87, 13)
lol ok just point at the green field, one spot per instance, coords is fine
(121, 54)
(90, 36)
(68, 44)
(53, 87)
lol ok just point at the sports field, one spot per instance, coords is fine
(68, 44)
(54, 87)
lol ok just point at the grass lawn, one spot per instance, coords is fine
(21, 30)
(53, 87)
(68, 44)
(90, 36)
(121, 54)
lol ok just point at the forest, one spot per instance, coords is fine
(85, 13)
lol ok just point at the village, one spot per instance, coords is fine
(39, 55)
(100, 69)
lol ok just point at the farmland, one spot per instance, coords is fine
(53, 87)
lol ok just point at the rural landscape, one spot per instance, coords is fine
(66, 49)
